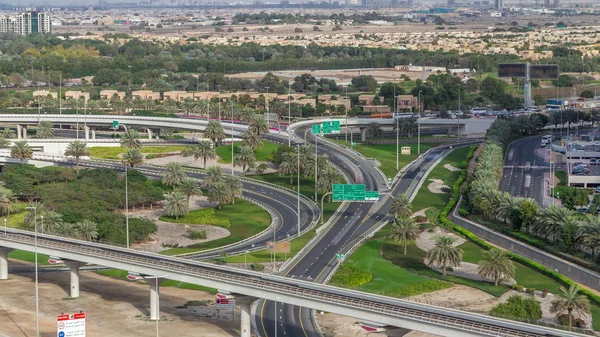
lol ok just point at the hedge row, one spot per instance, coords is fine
(418, 288)
(595, 299)
(348, 276)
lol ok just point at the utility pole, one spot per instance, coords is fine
(289, 114)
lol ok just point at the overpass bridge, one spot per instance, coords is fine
(368, 307)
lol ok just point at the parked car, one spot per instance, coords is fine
(597, 189)
(593, 161)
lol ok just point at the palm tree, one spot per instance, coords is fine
(8, 133)
(570, 302)
(252, 140)
(174, 174)
(590, 233)
(63, 229)
(219, 194)
(214, 174)
(401, 207)
(34, 208)
(189, 187)
(306, 154)
(507, 205)
(21, 150)
(51, 221)
(86, 230)
(4, 143)
(176, 204)
(444, 254)
(8, 202)
(326, 179)
(133, 157)
(288, 165)
(550, 221)
(404, 229)
(258, 126)
(204, 150)
(496, 265)
(77, 149)
(374, 130)
(44, 130)
(131, 139)
(234, 187)
(214, 131)
(244, 158)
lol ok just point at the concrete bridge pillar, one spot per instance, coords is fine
(150, 134)
(157, 133)
(19, 131)
(363, 134)
(93, 133)
(4, 263)
(154, 297)
(24, 131)
(245, 302)
(74, 272)
(86, 131)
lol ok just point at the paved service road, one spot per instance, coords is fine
(523, 173)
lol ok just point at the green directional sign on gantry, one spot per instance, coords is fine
(335, 127)
(316, 129)
(326, 127)
(349, 192)
(371, 196)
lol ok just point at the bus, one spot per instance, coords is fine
(479, 111)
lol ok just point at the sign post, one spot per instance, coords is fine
(72, 325)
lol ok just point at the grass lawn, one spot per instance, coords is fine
(262, 256)
(113, 152)
(29, 257)
(262, 154)
(306, 188)
(246, 220)
(122, 274)
(424, 197)
(386, 154)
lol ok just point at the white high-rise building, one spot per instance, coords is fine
(26, 23)
(499, 4)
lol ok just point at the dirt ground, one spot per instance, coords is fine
(114, 307)
(337, 325)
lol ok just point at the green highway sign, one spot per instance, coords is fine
(316, 129)
(326, 127)
(353, 144)
(349, 192)
(335, 127)
(340, 256)
(115, 124)
(371, 196)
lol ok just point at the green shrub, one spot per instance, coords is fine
(205, 216)
(419, 288)
(518, 308)
(151, 156)
(196, 235)
(220, 261)
(517, 287)
(257, 266)
(197, 303)
(421, 219)
(531, 291)
(348, 276)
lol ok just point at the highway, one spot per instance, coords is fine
(523, 172)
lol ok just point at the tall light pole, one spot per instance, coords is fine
(297, 188)
(219, 98)
(60, 96)
(316, 165)
(267, 101)
(346, 100)
(232, 137)
(37, 295)
(289, 113)
(129, 78)
(397, 131)
(419, 127)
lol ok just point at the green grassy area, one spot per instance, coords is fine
(29, 257)
(386, 154)
(246, 220)
(263, 256)
(113, 152)
(262, 154)
(426, 198)
(306, 188)
(122, 274)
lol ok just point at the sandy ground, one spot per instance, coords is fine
(436, 185)
(189, 161)
(114, 307)
(451, 168)
(175, 233)
(337, 325)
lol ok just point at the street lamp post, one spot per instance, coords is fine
(42, 224)
(289, 113)
(126, 198)
(231, 137)
(245, 264)
(37, 297)
(5, 221)
(219, 98)
(397, 131)
(419, 127)
(298, 187)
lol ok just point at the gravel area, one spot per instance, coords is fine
(436, 185)
(175, 233)
(426, 240)
(469, 271)
(451, 168)
(189, 161)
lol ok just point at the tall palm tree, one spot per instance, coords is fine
(214, 131)
(174, 174)
(8, 133)
(234, 186)
(86, 230)
(44, 130)
(214, 174)
(507, 205)
(252, 140)
(189, 187)
(21, 150)
(4, 143)
(131, 140)
(258, 125)
(176, 204)
(219, 194)
(550, 221)
(65, 229)
(8, 202)
(401, 207)
(404, 229)
(204, 150)
(288, 165)
(496, 265)
(133, 157)
(244, 158)
(326, 179)
(77, 149)
(444, 254)
(51, 221)
(590, 233)
(306, 154)
(34, 208)
(570, 302)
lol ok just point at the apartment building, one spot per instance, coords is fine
(77, 95)
(26, 23)
(406, 103)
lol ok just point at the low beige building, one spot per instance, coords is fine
(77, 95)
(110, 94)
(406, 103)
(146, 94)
(44, 94)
